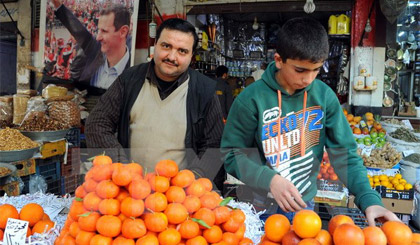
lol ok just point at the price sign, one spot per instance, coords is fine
(15, 232)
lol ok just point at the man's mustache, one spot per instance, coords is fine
(170, 61)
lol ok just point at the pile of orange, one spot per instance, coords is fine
(327, 172)
(119, 204)
(39, 222)
(306, 229)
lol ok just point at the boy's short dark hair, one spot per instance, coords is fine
(220, 70)
(178, 25)
(303, 39)
(121, 15)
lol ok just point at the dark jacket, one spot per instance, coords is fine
(92, 57)
(224, 92)
(204, 119)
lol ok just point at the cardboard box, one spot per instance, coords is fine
(332, 202)
(11, 189)
(25, 167)
(395, 205)
(50, 149)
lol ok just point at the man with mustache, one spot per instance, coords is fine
(162, 109)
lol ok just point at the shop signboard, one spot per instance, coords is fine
(78, 40)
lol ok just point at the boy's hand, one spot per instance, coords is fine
(286, 194)
(378, 212)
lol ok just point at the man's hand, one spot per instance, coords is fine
(57, 3)
(378, 212)
(286, 194)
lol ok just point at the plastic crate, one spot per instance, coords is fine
(50, 169)
(70, 183)
(73, 162)
(73, 137)
(358, 217)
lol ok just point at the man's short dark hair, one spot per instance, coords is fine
(303, 39)
(220, 70)
(178, 25)
(121, 15)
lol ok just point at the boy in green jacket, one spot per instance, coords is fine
(290, 141)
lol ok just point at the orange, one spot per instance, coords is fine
(276, 226)
(246, 241)
(156, 202)
(46, 217)
(221, 214)
(99, 239)
(31, 212)
(122, 195)
(109, 226)
(192, 203)
(338, 220)
(91, 201)
(87, 221)
(374, 236)
(208, 186)
(348, 232)
(156, 222)
(307, 223)
(134, 168)
(176, 213)
(122, 176)
(397, 233)
(101, 160)
(175, 194)
(133, 228)
(102, 172)
(169, 237)
(148, 240)
(324, 238)
(231, 225)
(183, 178)
(139, 189)
(198, 240)
(109, 206)
(123, 241)
(7, 211)
(230, 238)
(80, 192)
(240, 233)
(131, 207)
(309, 241)
(159, 183)
(42, 226)
(205, 215)
(213, 235)
(416, 239)
(196, 189)
(208, 200)
(74, 229)
(166, 168)
(290, 238)
(84, 237)
(107, 189)
(90, 185)
(189, 229)
(67, 240)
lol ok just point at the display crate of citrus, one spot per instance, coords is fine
(306, 229)
(119, 204)
(39, 222)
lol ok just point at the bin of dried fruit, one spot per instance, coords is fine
(385, 157)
